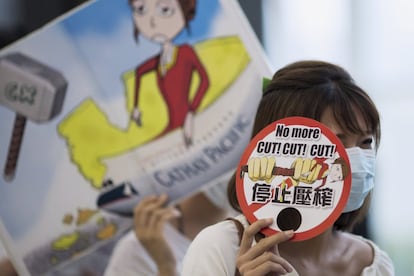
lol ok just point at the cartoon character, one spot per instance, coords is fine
(162, 95)
(302, 170)
(161, 22)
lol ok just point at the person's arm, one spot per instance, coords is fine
(204, 79)
(7, 268)
(150, 217)
(147, 66)
(263, 257)
(197, 66)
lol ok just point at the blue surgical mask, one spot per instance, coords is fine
(363, 172)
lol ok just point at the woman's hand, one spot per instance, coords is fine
(262, 258)
(150, 217)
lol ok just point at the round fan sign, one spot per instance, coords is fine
(297, 172)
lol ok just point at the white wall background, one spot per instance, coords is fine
(374, 40)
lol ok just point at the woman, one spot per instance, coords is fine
(327, 93)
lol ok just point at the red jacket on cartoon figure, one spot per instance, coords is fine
(175, 84)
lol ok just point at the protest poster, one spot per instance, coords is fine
(96, 114)
(297, 172)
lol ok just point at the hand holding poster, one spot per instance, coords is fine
(297, 172)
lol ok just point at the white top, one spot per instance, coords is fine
(130, 257)
(214, 252)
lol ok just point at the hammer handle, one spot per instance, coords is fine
(14, 147)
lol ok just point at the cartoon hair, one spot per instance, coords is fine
(188, 8)
(307, 89)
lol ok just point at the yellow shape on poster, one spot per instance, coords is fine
(91, 137)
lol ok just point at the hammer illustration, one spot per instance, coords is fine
(31, 89)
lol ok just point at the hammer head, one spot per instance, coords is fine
(31, 88)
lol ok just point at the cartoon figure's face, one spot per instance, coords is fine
(335, 173)
(158, 20)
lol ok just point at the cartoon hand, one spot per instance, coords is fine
(261, 168)
(136, 116)
(188, 129)
(306, 170)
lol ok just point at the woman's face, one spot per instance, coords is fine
(158, 20)
(349, 140)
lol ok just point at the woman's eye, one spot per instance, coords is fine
(165, 10)
(139, 9)
(367, 143)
